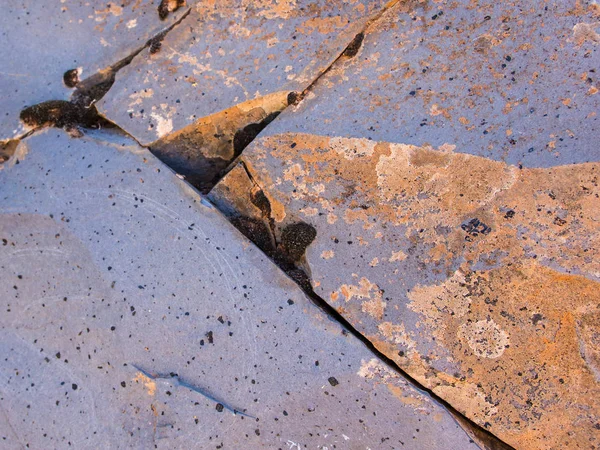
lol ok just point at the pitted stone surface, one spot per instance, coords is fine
(463, 255)
(43, 39)
(230, 52)
(134, 315)
(513, 81)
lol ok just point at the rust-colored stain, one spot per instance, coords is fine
(517, 315)
(148, 383)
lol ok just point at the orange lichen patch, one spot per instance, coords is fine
(375, 308)
(327, 254)
(147, 382)
(583, 32)
(520, 337)
(529, 211)
(509, 336)
(362, 290)
(398, 256)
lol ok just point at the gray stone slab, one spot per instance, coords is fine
(512, 81)
(134, 316)
(469, 260)
(227, 53)
(42, 39)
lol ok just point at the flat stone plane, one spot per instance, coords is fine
(229, 52)
(511, 81)
(467, 259)
(135, 316)
(41, 40)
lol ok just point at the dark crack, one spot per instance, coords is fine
(80, 111)
(177, 380)
(287, 250)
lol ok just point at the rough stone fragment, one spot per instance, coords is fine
(230, 52)
(48, 46)
(134, 316)
(451, 173)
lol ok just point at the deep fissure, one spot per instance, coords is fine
(291, 260)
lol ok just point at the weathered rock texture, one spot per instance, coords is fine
(134, 315)
(48, 46)
(227, 53)
(450, 171)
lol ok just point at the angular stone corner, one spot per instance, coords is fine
(134, 315)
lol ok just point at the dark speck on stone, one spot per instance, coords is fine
(219, 407)
(333, 381)
(74, 386)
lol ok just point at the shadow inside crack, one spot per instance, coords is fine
(202, 151)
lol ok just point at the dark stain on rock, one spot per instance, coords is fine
(293, 98)
(163, 9)
(154, 44)
(354, 46)
(295, 239)
(243, 137)
(333, 381)
(61, 114)
(71, 78)
(475, 227)
(169, 6)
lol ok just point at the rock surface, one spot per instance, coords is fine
(230, 52)
(48, 46)
(134, 315)
(450, 171)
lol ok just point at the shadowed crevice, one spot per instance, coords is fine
(80, 111)
(242, 200)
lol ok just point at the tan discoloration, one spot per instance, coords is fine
(586, 32)
(513, 322)
(378, 372)
(204, 148)
(149, 383)
(485, 338)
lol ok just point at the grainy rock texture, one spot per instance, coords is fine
(134, 315)
(48, 46)
(450, 170)
(230, 52)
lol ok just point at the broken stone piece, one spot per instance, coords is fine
(231, 52)
(139, 317)
(510, 81)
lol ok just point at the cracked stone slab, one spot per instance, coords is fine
(230, 52)
(511, 81)
(43, 39)
(134, 315)
(471, 261)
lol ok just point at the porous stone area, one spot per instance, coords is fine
(292, 225)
